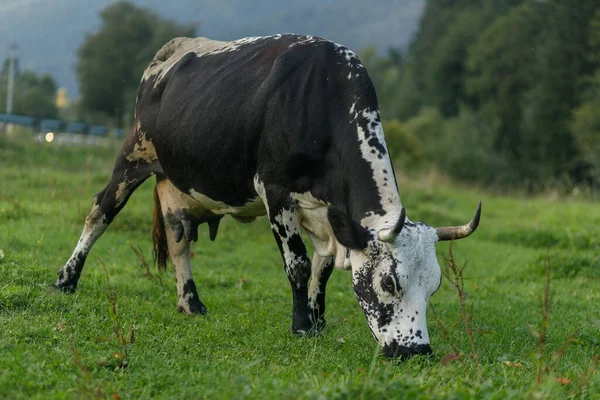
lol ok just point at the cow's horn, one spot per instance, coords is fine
(389, 235)
(459, 232)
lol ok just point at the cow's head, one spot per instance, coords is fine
(394, 273)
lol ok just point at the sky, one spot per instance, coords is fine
(49, 32)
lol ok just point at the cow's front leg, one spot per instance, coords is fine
(322, 267)
(286, 229)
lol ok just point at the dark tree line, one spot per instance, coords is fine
(500, 91)
(491, 91)
(112, 60)
(33, 95)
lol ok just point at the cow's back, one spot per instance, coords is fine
(219, 112)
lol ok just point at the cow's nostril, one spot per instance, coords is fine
(394, 350)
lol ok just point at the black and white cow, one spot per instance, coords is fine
(286, 126)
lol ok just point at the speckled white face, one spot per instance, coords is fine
(393, 283)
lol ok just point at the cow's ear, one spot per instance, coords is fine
(348, 232)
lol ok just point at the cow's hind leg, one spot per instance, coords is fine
(322, 267)
(180, 218)
(135, 163)
(285, 224)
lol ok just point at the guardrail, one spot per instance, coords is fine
(58, 126)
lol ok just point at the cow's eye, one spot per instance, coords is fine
(388, 284)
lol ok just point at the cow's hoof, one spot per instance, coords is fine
(192, 308)
(64, 287)
(312, 330)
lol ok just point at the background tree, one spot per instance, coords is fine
(511, 84)
(33, 96)
(111, 61)
(586, 118)
(500, 71)
(560, 65)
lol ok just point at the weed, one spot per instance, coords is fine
(144, 264)
(91, 389)
(544, 369)
(541, 335)
(586, 377)
(121, 355)
(455, 275)
(455, 355)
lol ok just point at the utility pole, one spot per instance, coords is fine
(11, 79)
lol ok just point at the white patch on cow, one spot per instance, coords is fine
(94, 227)
(350, 58)
(409, 328)
(370, 131)
(254, 208)
(182, 275)
(143, 149)
(177, 48)
(289, 221)
(94, 224)
(303, 40)
(259, 187)
(123, 190)
(313, 217)
(353, 112)
(352, 108)
(172, 199)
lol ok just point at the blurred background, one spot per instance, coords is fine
(498, 93)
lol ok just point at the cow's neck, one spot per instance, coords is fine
(381, 210)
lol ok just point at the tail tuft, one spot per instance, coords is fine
(159, 235)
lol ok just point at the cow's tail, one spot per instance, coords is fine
(159, 234)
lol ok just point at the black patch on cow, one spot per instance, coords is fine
(190, 294)
(296, 244)
(189, 288)
(347, 231)
(319, 312)
(367, 297)
(69, 275)
(375, 143)
(395, 350)
(281, 230)
(385, 314)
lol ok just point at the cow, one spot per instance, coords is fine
(286, 126)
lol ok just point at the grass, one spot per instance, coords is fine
(54, 345)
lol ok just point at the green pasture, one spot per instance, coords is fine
(55, 345)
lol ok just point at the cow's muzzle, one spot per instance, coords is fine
(395, 350)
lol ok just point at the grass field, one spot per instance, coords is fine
(54, 345)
